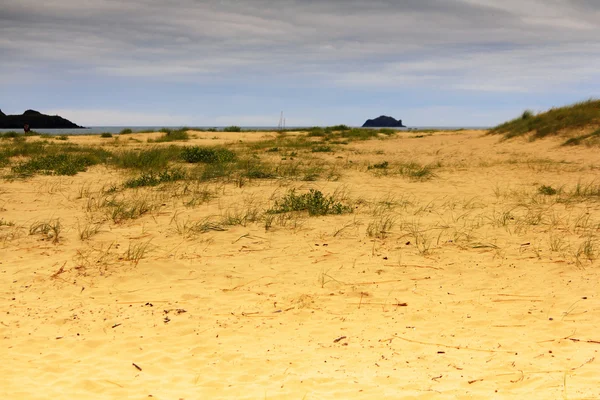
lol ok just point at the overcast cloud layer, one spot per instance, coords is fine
(429, 62)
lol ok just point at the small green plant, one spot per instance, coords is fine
(155, 158)
(126, 131)
(322, 149)
(207, 155)
(6, 223)
(314, 202)
(50, 229)
(106, 135)
(381, 165)
(380, 227)
(135, 252)
(123, 210)
(10, 134)
(59, 164)
(547, 190)
(62, 137)
(335, 128)
(153, 178)
(527, 114)
(232, 128)
(88, 230)
(171, 135)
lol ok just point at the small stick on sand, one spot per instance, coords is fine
(585, 341)
(452, 347)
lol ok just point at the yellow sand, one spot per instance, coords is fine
(482, 288)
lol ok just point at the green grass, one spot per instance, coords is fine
(126, 131)
(552, 122)
(106, 135)
(232, 128)
(171, 135)
(207, 155)
(322, 149)
(314, 202)
(381, 165)
(60, 164)
(154, 158)
(360, 134)
(582, 139)
(547, 190)
(152, 178)
(10, 134)
(417, 172)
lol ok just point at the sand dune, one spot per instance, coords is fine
(481, 287)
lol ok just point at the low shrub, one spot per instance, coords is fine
(207, 155)
(314, 202)
(153, 178)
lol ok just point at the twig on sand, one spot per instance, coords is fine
(136, 366)
(452, 347)
(240, 238)
(413, 266)
(247, 283)
(585, 341)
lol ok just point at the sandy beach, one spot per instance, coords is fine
(469, 280)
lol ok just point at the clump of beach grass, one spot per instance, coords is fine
(315, 202)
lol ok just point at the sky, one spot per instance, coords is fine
(321, 62)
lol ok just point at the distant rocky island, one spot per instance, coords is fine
(35, 120)
(383, 122)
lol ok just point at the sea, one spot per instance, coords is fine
(95, 130)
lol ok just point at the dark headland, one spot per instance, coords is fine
(383, 122)
(35, 120)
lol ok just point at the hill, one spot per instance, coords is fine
(35, 120)
(383, 122)
(579, 122)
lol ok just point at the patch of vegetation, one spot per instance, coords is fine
(416, 171)
(10, 134)
(322, 149)
(381, 165)
(252, 169)
(171, 135)
(336, 128)
(360, 134)
(578, 140)
(153, 179)
(316, 132)
(59, 164)
(587, 190)
(62, 137)
(50, 229)
(573, 117)
(106, 135)
(126, 131)
(232, 128)
(122, 210)
(152, 159)
(207, 155)
(547, 190)
(314, 202)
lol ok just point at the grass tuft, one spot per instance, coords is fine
(314, 202)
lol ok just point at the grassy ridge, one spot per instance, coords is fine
(576, 117)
